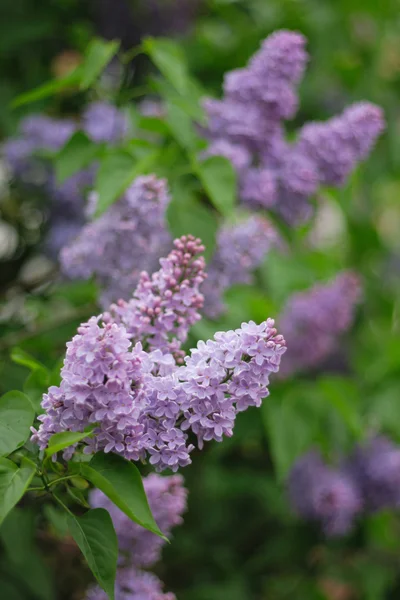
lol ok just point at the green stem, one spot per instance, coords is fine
(56, 481)
(61, 503)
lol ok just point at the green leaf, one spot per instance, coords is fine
(35, 385)
(16, 418)
(181, 127)
(121, 482)
(219, 180)
(186, 214)
(59, 441)
(21, 357)
(153, 124)
(288, 432)
(13, 483)
(95, 535)
(49, 88)
(77, 154)
(170, 60)
(78, 497)
(57, 519)
(98, 55)
(116, 173)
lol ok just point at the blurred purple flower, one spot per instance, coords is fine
(313, 321)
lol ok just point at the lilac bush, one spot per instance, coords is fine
(246, 126)
(126, 373)
(38, 135)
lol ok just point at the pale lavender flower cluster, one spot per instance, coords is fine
(246, 127)
(139, 548)
(128, 238)
(143, 401)
(165, 305)
(313, 321)
(324, 495)
(367, 481)
(167, 500)
(241, 248)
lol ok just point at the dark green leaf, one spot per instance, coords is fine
(13, 483)
(98, 55)
(170, 60)
(77, 154)
(116, 173)
(59, 441)
(121, 481)
(25, 561)
(95, 535)
(16, 418)
(219, 180)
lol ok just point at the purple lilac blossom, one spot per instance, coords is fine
(138, 546)
(129, 237)
(165, 305)
(376, 467)
(103, 122)
(313, 321)
(337, 145)
(283, 176)
(133, 584)
(240, 249)
(143, 403)
(324, 495)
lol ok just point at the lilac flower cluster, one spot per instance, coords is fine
(246, 126)
(241, 248)
(103, 122)
(324, 495)
(40, 134)
(313, 320)
(128, 238)
(369, 481)
(165, 305)
(140, 548)
(376, 468)
(142, 399)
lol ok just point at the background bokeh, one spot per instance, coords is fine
(239, 540)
